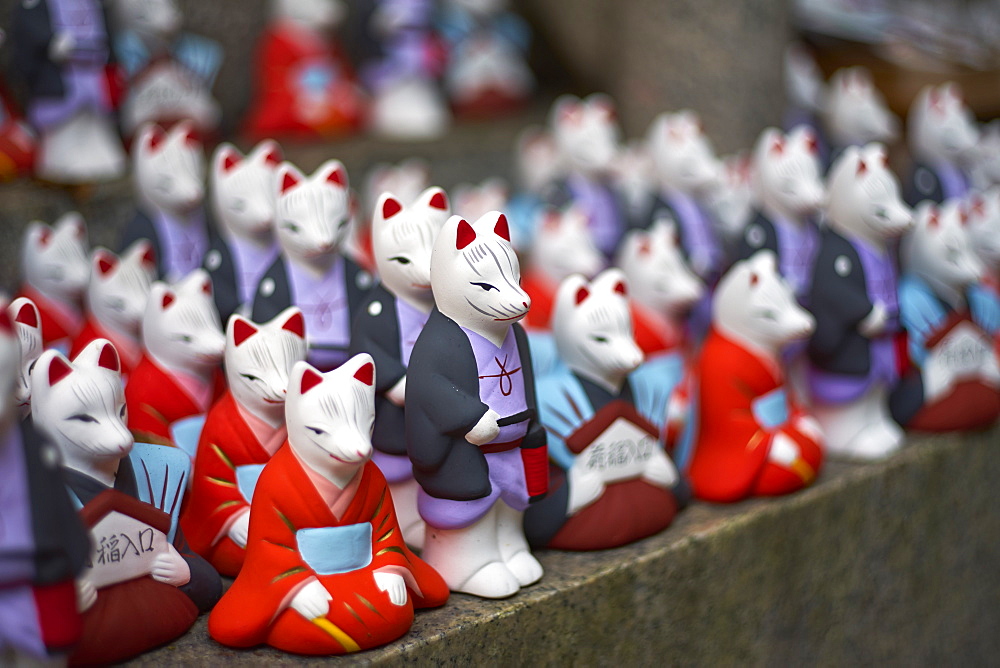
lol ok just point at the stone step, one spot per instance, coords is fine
(893, 562)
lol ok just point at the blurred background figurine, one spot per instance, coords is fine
(305, 87)
(62, 54)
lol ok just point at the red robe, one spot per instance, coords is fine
(730, 460)
(226, 442)
(285, 55)
(155, 401)
(129, 352)
(55, 324)
(542, 291)
(255, 609)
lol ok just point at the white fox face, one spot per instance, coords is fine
(940, 125)
(259, 359)
(754, 305)
(855, 111)
(318, 14)
(153, 18)
(312, 214)
(330, 416)
(472, 201)
(592, 326)
(732, 200)
(984, 226)
(26, 321)
(180, 328)
(476, 277)
(119, 286)
(586, 132)
(633, 173)
(80, 406)
(684, 158)
(54, 259)
(402, 240)
(169, 169)
(787, 172)
(939, 248)
(564, 245)
(863, 196)
(10, 394)
(657, 273)
(243, 189)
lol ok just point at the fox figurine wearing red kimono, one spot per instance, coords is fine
(242, 431)
(751, 439)
(326, 571)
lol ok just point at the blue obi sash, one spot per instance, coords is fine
(771, 409)
(335, 550)
(246, 480)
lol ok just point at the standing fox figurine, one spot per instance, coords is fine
(387, 326)
(242, 431)
(477, 450)
(182, 348)
(326, 570)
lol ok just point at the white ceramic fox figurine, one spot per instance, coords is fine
(942, 134)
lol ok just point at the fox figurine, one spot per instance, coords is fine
(312, 221)
(27, 323)
(477, 448)
(242, 431)
(182, 347)
(169, 179)
(116, 299)
(242, 205)
(387, 326)
(326, 571)
(942, 134)
(143, 586)
(54, 271)
(604, 416)
(752, 439)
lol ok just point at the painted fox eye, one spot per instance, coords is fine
(250, 376)
(121, 413)
(485, 286)
(82, 417)
(599, 339)
(183, 338)
(400, 259)
(240, 205)
(318, 432)
(290, 226)
(768, 314)
(880, 213)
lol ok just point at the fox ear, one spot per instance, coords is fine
(621, 289)
(108, 359)
(501, 229)
(296, 324)
(581, 295)
(59, 368)
(104, 262)
(168, 299)
(390, 207)
(366, 373)
(27, 315)
(242, 330)
(310, 379)
(439, 201)
(465, 235)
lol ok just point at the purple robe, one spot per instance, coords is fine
(599, 203)
(882, 286)
(184, 243)
(501, 387)
(250, 261)
(19, 626)
(411, 321)
(84, 76)
(953, 181)
(324, 304)
(702, 248)
(797, 246)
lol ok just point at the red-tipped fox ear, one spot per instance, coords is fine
(108, 359)
(149, 258)
(644, 246)
(862, 168)
(754, 279)
(582, 294)
(963, 216)
(501, 228)
(465, 235)
(778, 145)
(932, 218)
(338, 177)
(621, 289)
(390, 207)
(310, 379)
(206, 287)
(58, 370)
(105, 263)
(44, 236)
(26, 315)
(168, 299)
(191, 138)
(229, 161)
(366, 374)
(288, 182)
(439, 201)
(242, 330)
(273, 157)
(296, 324)
(156, 136)
(812, 144)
